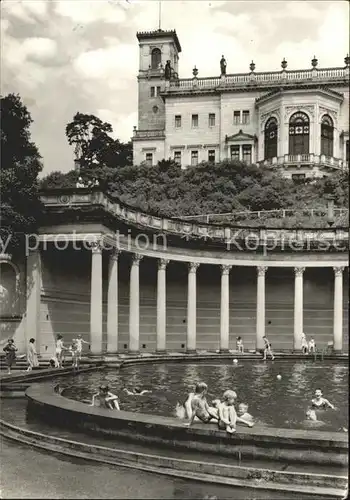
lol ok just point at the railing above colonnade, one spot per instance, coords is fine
(87, 200)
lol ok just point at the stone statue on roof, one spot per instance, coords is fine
(167, 70)
(223, 65)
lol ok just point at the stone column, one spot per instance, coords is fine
(33, 292)
(298, 307)
(112, 303)
(338, 309)
(225, 308)
(191, 307)
(161, 305)
(260, 307)
(134, 305)
(96, 299)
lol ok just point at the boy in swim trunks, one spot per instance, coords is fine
(200, 407)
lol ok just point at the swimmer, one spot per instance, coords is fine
(136, 391)
(243, 416)
(105, 399)
(200, 407)
(321, 403)
(227, 412)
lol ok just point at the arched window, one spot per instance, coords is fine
(327, 136)
(270, 138)
(156, 58)
(299, 130)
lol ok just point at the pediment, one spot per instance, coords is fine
(240, 136)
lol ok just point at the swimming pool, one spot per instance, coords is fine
(277, 402)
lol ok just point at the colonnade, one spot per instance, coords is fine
(134, 305)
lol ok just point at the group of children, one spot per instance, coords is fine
(75, 349)
(307, 347)
(222, 412)
(106, 399)
(56, 361)
(267, 351)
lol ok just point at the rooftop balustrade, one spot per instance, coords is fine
(72, 199)
(327, 75)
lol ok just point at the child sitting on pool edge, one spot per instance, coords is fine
(227, 412)
(200, 407)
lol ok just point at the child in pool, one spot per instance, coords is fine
(200, 407)
(243, 416)
(319, 402)
(136, 391)
(105, 399)
(227, 412)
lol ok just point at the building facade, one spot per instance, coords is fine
(128, 281)
(298, 120)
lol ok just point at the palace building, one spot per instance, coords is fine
(295, 119)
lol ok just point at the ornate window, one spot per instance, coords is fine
(156, 58)
(270, 138)
(299, 134)
(327, 132)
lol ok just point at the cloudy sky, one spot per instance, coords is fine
(64, 56)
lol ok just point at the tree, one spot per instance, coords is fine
(94, 147)
(20, 166)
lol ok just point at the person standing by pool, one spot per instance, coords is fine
(59, 350)
(80, 342)
(267, 349)
(32, 356)
(200, 407)
(321, 403)
(75, 356)
(10, 353)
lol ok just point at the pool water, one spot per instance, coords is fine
(273, 401)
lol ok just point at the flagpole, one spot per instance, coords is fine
(159, 14)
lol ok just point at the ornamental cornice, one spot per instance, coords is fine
(266, 116)
(328, 111)
(306, 108)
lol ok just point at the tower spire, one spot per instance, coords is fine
(159, 15)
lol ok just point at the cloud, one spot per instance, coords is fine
(86, 12)
(25, 10)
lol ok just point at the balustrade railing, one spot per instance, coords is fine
(307, 159)
(261, 78)
(148, 134)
